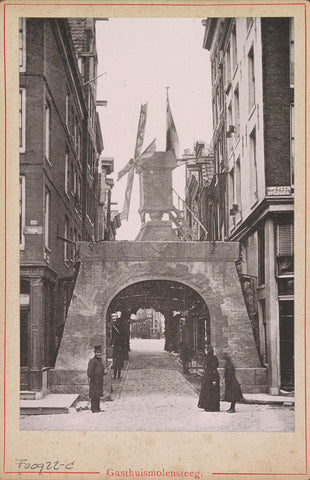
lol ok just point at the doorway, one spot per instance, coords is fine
(286, 318)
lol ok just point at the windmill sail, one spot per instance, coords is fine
(148, 152)
(141, 130)
(125, 213)
(129, 168)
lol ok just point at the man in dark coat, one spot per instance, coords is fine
(118, 362)
(95, 373)
(233, 391)
(185, 356)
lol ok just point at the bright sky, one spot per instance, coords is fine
(141, 57)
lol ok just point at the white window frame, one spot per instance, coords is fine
(228, 64)
(22, 43)
(66, 259)
(251, 79)
(253, 164)
(22, 213)
(67, 108)
(237, 113)
(238, 190)
(47, 203)
(22, 119)
(234, 51)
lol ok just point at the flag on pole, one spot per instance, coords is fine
(172, 139)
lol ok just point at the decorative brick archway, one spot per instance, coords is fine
(108, 267)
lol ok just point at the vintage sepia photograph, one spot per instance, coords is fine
(156, 194)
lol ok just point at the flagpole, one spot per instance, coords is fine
(167, 122)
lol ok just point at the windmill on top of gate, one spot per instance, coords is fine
(155, 172)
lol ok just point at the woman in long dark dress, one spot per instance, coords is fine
(209, 397)
(233, 391)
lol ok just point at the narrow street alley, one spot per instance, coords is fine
(154, 395)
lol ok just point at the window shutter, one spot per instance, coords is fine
(285, 240)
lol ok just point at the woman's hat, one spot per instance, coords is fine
(97, 349)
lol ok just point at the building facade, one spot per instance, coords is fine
(108, 219)
(199, 175)
(60, 142)
(252, 193)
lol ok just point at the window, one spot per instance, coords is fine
(75, 182)
(234, 49)
(215, 114)
(78, 143)
(47, 218)
(72, 170)
(285, 249)
(236, 114)
(261, 254)
(228, 64)
(22, 44)
(263, 331)
(231, 187)
(22, 120)
(238, 185)
(66, 233)
(67, 109)
(251, 74)
(292, 60)
(78, 189)
(21, 211)
(253, 164)
(70, 244)
(292, 153)
(47, 131)
(24, 338)
(229, 126)
(67, 173)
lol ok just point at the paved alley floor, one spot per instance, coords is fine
(153, 395)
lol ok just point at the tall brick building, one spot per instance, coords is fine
(252, 194)
(60, 142)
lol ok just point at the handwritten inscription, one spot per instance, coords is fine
(24, 464)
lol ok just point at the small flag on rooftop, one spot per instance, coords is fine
(172, 139)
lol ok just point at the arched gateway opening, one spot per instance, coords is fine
(186, 315)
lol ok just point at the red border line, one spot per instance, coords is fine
(5, 244)
(259, 474)
(155, 4)
(306, 192)
(5, 207)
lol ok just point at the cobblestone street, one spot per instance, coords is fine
(153, 395)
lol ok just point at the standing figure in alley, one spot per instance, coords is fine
(95, 373)
(118, 362)
(209, 398)
(233, 391)
(185, 356)
(119, 336)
